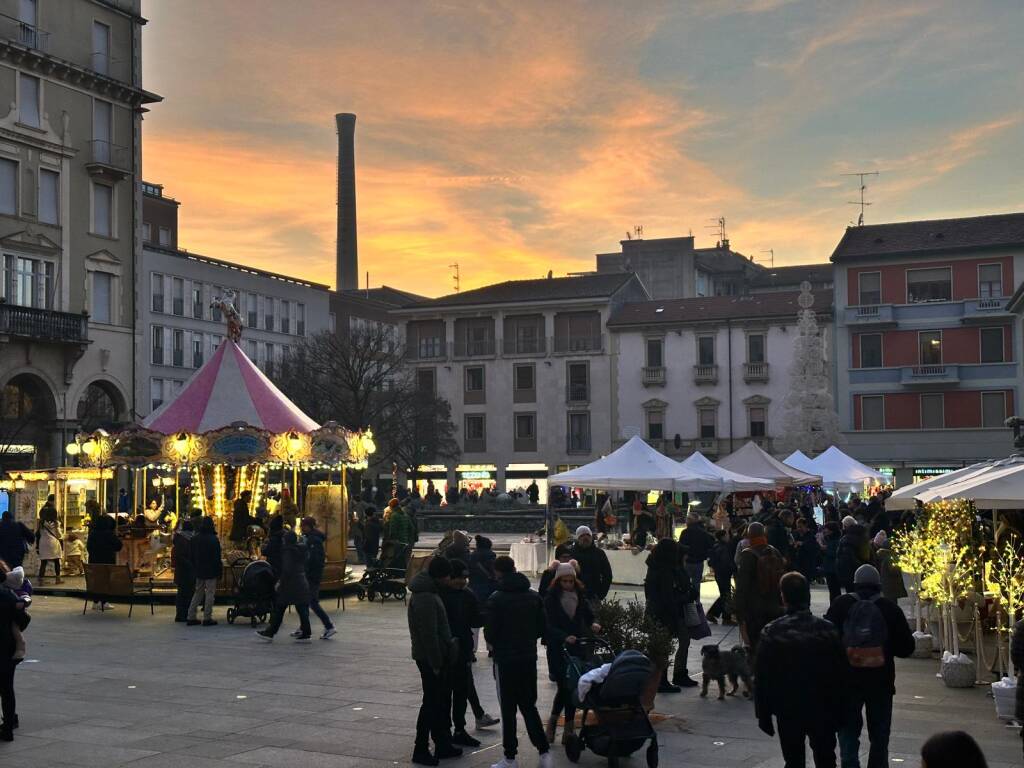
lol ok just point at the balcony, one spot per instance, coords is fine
(577, 394)
(429, 349)
(108, 161)
(755, 372)
(930, 375)
(474, 348)
(534, 346)
(570, 345)
(871, 316)
(24, 34)
(43, 324)
(981, 311)
(705, 374)
(653, 375)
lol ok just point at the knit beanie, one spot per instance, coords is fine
(848, 521)
(867, 575)
(583, 531)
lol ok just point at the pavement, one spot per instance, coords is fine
(101, 690)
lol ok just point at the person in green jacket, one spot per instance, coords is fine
(399, 526)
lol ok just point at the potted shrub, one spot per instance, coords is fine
(627, 626)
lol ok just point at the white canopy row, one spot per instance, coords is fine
(838, 471)
(996, 484)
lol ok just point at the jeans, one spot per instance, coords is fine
(278, 616)
(206, 589)
(721, 606)
(430, 723)
(517, 690)
(460, 678)
(563, 703)
(878, 708)
(793, 731)
(315, 607)
(696, 573)
(7, 703)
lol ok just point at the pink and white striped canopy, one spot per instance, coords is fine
(228, 388)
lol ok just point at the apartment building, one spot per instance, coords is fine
(707, 374)
(528, 371)
(70, 148)
(179, 327)
(928, 365)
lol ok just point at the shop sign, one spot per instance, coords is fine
(932, 471)
(475, 475)
(240, 448)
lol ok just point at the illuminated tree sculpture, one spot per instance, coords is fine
(1007, 574)
(913, 554)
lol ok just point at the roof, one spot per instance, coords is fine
(183, 254)
(782, 303)
(936, 235)
(597, 285)
(385, 294)
(793, 274)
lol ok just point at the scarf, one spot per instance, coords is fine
(570, 602)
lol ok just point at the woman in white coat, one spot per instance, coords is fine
(48, 540)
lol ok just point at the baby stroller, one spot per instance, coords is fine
(619, 725)
(387, 576)
(254, 592)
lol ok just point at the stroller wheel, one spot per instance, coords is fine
(573, 748)
(361, 595)
(231, 615)
(652, 753)
(371, 595)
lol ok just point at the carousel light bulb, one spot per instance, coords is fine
(89, 447)
(72, 449)
(156, 482)
(19, 485)
(368, 445)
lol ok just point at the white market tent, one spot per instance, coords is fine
(837, 470)
(905, 497)
(731, 481)
(997, 486)
(752, 461)
(636, 466)
(801, 461)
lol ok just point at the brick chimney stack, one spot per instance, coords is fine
(348, 251)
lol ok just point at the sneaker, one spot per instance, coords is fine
(303, 638)
(507, 762)
(106, 607)
(447, 750)
(463, 739)
(546, 761)
(193, 622)
(424, 758)
(486, 721)
(328, 633)
(265, 636)
(209, 623)
(296, 633)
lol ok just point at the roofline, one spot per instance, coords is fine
(426, 308)
(717, 321)
(235, 267)
(922, 253)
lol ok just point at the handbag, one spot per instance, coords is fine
(691, 616)
(701, 629)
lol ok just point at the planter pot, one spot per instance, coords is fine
(923, 645)
(958, 671)
(1005, 694)
(651, 689)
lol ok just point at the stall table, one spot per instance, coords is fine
(529, 558)
(627, 567)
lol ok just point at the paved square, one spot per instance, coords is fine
(101, 690)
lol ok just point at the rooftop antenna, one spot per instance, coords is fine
(455, 275)
(638, 232)
(719, 228)
(771, 256)
(863, 187)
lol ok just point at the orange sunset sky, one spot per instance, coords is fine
(517, 137)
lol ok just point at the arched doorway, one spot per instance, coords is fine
(28, 415)
(101, 406)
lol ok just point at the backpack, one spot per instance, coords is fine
(864, 634)
(770, 567)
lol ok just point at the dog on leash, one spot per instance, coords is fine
(717, 666)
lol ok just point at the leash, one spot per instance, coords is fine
(719, 643)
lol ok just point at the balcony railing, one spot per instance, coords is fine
(435, 350)
(535, 346)
(654, 376)
(930, 374)
(869, 314)
(577, 393)
(574, 344)
(43, 324)
(474, 348)
(107, 159)
(705, 374)
(755, 372)
(24, 34)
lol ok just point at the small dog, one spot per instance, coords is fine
(717, 666)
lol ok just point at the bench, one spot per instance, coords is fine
(114, 584)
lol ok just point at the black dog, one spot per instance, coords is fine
(713, 666)
(732, 664)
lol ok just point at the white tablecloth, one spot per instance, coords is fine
(627, 568)
(529, 558)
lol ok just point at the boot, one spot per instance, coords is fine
(568, 731)
(552, 726)
(683, 680)
(665, 686)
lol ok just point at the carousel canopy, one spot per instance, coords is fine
(731, 481)
(226, 390)
(751, 460)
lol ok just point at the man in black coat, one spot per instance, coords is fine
(207, 564)
(799, 670)
(184, 572)
(15, 539)
(316, 559)
(696, 545)
(854, 550)
(513, 623)
(595, 570)
(871, 689)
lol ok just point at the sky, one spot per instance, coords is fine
(513, 137)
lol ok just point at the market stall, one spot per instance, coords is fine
(753, 461)
(839, 472)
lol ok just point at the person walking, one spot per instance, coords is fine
(273, 547)
(760, 566)
(831, 533)
(513, 623)
(806, 550)
(854, 550)
(15, 539)
(874, 630)
(568, 620)
(723, 563)
(206, 561)
(48, 540)
(799, 674)
(316, 558)
(292, 589)
(102, 544)
(667, 590)
(696, 543)
(12, 616)
(594, 569)
(435, 651)
(184, 570)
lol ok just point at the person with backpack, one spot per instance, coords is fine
(316, 558)
(874, 630)
(760, 566)
(854, 550)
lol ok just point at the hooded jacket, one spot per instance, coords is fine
(205, 550)
(854, 551)
(431, 636)
(181, 555)
(463, 612)
(696, 542)
(103, 543)
(514, 620)
(292, 585)
(595, 570)
(316, 556)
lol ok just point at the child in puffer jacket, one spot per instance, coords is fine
(16, 583)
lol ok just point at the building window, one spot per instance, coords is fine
(755, 348)
(705, 350)
(8, 187)
(157, 286)
(655, 353)
(147, 232)
(252, 353)
(871, 350)
(579, 433)
(993, 409)
(197, 301)
(475, 379)
(165, 236)
(215, 341)
(872, 412)
(215, 313)
(524, 377)
(28, 282)
(100, 48)
(102, 296)
(426, 381)
(757, 416)
(102, 209)
(177, 348)
(933, 411)
(49, 197)
(156, 393)
(300, 319)
(476, 433)
(990, 281)
(992, 345)
(869, 288)
(268, 360)
(708, 422)
(197, 350)
(656, 424)
(525, 426)
(28, 100)
(577, 379)
(251, 312)
(703, 283)
(268, 313)
(286, 316)
(930, 347)
(177, 296)
(158, 345)
(929, 285)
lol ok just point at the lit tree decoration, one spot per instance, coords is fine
(1007, 574)
(912, 553)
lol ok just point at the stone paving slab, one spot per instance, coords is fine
(102, 690)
